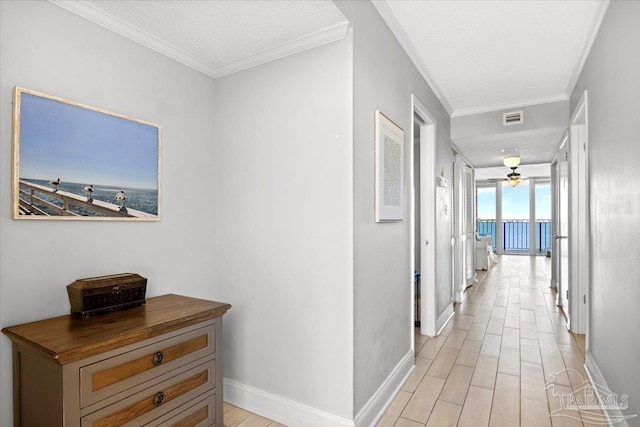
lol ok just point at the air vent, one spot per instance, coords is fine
(512, 118)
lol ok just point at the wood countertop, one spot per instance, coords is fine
(69, 338)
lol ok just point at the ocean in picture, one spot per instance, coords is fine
(143, 200)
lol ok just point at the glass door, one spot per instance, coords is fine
(543, 218)
(516, 218)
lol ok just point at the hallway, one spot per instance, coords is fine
(491, 364)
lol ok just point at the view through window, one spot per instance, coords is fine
(516, 221)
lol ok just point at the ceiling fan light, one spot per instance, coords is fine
(513, 182)
(511, 161)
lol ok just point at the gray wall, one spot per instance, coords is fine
(611, 77)
(283, 170)
(549, 115)
(286, 232)
(46, 48)
(384, 78)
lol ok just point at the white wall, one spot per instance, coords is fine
(283, 171)
(385, 78)
(46, 48)
(611, 77)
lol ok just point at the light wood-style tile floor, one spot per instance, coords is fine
(234, 416)
(506, 359)
(493, 363)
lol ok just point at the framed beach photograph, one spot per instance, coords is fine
(389, 159)
(72, 161)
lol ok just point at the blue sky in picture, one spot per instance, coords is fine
(515, 201)
(75, 144)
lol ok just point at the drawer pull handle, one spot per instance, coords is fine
(158, 358)
(158, 399)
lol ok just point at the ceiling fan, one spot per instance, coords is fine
(513, 178)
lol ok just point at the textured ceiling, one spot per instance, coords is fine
(219, 37)
(534, 146)
(489, 55)
(477, 56)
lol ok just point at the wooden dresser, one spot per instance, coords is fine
(159, 364)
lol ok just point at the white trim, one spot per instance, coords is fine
(324, 36)
(444, 318)
(579, 276)
(459, 295)
(508, 105)
(499, 236)
(294, 414)
(395, 27)
(375, 408)
(88, 11)
(428, 140)
(597, 22)
(532, 217)
(278, 408)
(459, 153)
(96, 15)
(612, 416)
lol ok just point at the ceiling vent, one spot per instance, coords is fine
(512, 118)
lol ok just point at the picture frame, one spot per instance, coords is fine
(389, 169)
(76, 162)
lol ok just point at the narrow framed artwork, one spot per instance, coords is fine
(389, 159)
(72, 161)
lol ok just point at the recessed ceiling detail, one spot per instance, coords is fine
(218, 37)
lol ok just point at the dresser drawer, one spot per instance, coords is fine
(116, 374)
(154, 402)
(199, 413)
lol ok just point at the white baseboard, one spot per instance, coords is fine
(277, 408)
(614, 417)
(374, 409)
(444, 318)
(295, 414)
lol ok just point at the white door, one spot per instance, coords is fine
(468, 226)
(436, 303)
(563, 191)
(428, 304)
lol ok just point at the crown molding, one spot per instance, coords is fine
(395, 27)
(326, 35)
(508, 105)
(90, 12)
(595, 28)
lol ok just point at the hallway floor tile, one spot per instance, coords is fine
(506, 358)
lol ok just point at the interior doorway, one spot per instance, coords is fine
(561, 235)
(430, 301)
(580, 267)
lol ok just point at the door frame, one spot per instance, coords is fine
(580, 267)
(563, 286)
(553, 283)
(430, 323)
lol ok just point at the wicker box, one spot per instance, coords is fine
(95, 295)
